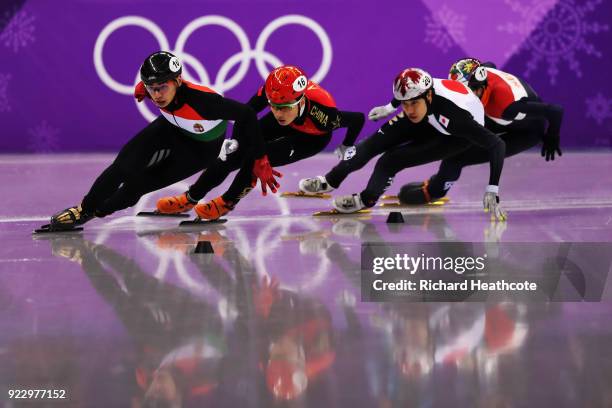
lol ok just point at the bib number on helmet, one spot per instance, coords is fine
(480, 74)
(174, 64)
(300, 83)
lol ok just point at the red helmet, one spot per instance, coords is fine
(285, 85)
(411, 83)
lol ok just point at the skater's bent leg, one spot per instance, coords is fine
(240, 187)
(449, 172)
(424, 151)
(437, 186)
(151, 145)
(295, 147)
(105, 186)
(518, 138)
(188, 158)
(281, 151)
(214, 175)
(387, 166)
(386, 137)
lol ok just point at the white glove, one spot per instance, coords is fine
(380, 112)
(491, 204)
(343, 152)
(229, 146)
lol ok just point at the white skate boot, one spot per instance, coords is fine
(348, 204)
(315, 185)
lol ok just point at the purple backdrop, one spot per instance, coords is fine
(54, 98)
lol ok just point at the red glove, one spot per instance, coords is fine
(140, 92)
(265, 173)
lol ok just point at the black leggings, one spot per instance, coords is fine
(518, 137)
(403, 145)
(283, 145)
(158, 156)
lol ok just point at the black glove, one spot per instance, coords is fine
(550, 145)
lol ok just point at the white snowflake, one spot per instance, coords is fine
(560, 32)
(4, 100)
(18, 29)
(445, 28)
(43, 138)
(599, 108)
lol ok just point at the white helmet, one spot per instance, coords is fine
(411, 83)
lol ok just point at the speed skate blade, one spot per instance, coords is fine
(336, 212)
(47, 229)
(301, 194)
(158, 214)
(389, 197)
(395, 198)
(436, 203)
(198, 221)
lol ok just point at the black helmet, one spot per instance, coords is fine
(160, 67)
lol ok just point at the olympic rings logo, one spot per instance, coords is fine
(221, 82)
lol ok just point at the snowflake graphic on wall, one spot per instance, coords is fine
(559, 34)
(4, 100)
(599, 108)
(444, 28)
(18, 29)
(43, 138)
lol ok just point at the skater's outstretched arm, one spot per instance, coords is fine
(464, 125)
(246, 129)
(248, 133)
(380, 112)
(553, 115)
(353, 121)
(258, 101)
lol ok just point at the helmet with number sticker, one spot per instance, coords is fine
(468, 71)
(160, 67)
(285, 85)
(412, 83)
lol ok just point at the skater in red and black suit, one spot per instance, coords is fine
(186, 138)
(299, 125)
(513, 111)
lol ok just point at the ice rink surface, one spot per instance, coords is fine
(123, 314)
